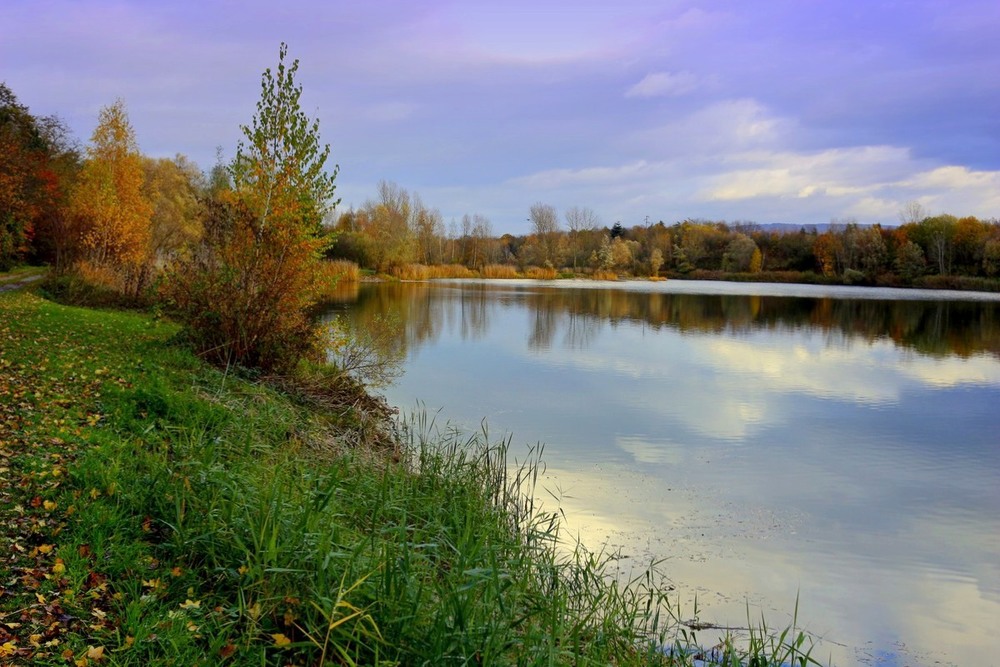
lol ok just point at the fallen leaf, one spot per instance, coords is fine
(280, 640)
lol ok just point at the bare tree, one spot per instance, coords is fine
(482, 231)
(912, 212)
(545, 225)
(579, 221)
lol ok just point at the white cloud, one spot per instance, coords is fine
(664, 84)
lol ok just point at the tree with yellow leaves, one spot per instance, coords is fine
(108, 200)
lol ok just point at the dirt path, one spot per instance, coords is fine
(19, 282)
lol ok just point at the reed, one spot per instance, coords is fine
(341, 270)
(540, 273)
(411, 272)
(499, 271)
(451, 271)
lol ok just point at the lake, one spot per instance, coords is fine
(840, 444)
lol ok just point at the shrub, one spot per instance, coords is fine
(245, 292)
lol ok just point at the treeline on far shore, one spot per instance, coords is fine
(396, 234)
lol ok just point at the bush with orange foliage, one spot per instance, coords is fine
(246, 291)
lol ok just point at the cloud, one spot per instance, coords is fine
(620, 108)
(664, 84)
(558, 178)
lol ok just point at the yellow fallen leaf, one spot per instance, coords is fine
(50, 505)
(190, 604)
(281, 640)
(7, 649)
(45, 548)
(95, 653)
(59, 567)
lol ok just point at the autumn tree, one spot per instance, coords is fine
(173, 188)
(655, 262)
(384, 227)
(19, 147)
(111, 206)
(245, 293)
(37, 163)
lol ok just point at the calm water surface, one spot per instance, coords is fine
(767, 441)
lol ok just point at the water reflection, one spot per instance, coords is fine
(571, 317)
(766, 445)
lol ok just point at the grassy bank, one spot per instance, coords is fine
(154, 510)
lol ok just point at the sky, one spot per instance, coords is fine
(791, 111)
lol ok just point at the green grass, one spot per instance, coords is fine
(156, 511)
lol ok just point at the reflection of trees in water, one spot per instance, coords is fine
(930, 327)
(425, 310)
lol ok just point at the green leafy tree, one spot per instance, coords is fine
(279, 172)
(991, 257)
(739, 253)
(910, 262)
